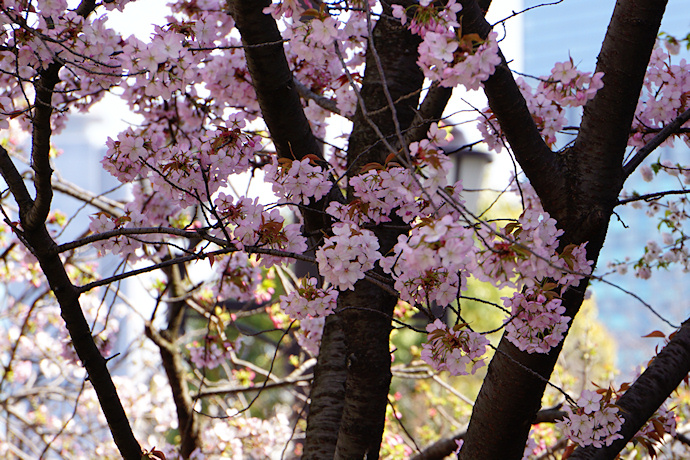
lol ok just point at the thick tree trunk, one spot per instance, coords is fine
(579, 188)
(290, 131)
(366, 312)
(352, 376)
(327, 393)
(277, 95)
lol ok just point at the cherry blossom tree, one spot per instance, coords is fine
(231, 89)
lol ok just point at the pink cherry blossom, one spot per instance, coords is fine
(347, 255)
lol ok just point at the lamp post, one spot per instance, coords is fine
(469, 163)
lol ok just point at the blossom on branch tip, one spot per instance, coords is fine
(458, 350)
(309, 301)
(595, 421)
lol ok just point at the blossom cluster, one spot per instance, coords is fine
(296, 181)
(378, 194)
(382, 189)
(457, 350)
(309, 301)
(431, 262)
(665, 92)
(536, 323)
(195, 136)
(309, 334)
(347, 255)
(238, 278)
(55, 34)
(454, 61)
(671, 215)
(189, 169)
(524, 255)
(596, 421)
(570, 87)
(428, 17)
(244, 437)
(245, 221)
(210, 353)
(446, 56)
(252, 225)
(528, 248)
(310, 330)
(38, 356)
(566, 86)
(312, 40)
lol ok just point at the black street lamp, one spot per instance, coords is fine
(469, 165)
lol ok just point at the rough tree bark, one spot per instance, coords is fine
(367, 311)
(352, 377)
(292, 136)
(579, 188)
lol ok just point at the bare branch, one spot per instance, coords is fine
(430, 110)
(190, 234)
(103, 203)
(40, 147)
(234, 389)
(321, 101)
(653, 196)
(150, 268)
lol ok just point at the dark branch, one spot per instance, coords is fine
(278, 96)
(273, 81)
(653, 196)
(601, 143)
(430, 110)
(666, 132)
(321, 101)
(39, 241)
(648, 393)
(579, 188)
(40, 147)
